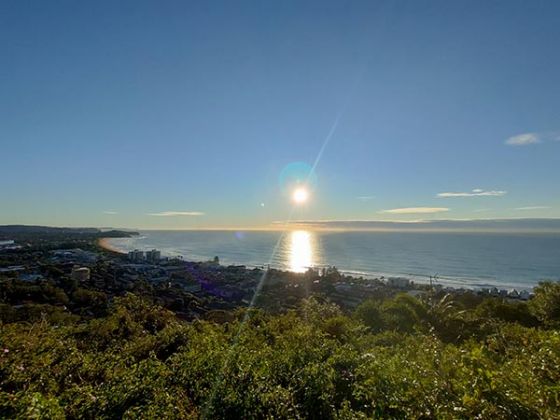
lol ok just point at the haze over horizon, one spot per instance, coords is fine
(198, 115)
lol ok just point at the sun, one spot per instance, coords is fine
(300, 195)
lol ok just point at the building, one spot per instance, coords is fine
(153, 256)
(525, 295)
(8, 245)
(81, 274)
(191, 287)
(77, 255)
(399, 282)
(12, 268)
(514, 294)
(136, 256)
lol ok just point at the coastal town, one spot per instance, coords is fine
(80, 263)
(89, 332)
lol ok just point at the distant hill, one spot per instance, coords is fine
(18, 230)
(45, 229)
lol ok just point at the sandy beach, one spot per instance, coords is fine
(104, 243)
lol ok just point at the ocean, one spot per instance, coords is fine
(469, 260)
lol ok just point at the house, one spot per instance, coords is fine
(81, 274)
(398, 282)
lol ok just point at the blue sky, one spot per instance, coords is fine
(184, 114)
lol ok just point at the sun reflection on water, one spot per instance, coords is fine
(300, 251)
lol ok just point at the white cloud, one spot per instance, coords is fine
(532, 208)
(477, 192)
(365, 197)
(110, 212)
(176, 213)
(523, 139)
(416, 210)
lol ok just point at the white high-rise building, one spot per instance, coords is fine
(153, 256)
(136, 256)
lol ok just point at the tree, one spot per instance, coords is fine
(545, 305)
(509, 312)
(368, 312)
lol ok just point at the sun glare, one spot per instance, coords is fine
(300, 251)
(300, 195)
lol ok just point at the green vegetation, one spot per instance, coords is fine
(44, 238)
(396, 357)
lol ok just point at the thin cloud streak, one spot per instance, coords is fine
(518, 224)
(532, 208)
(416, 210)
(477, 192)
(524, 139)
(365, 197)
(110, 212)
(176, 213)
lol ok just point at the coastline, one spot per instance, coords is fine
(104, 243)
(172, 248)
(413, 279)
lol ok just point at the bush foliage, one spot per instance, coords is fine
(400, 357)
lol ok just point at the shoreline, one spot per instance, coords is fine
(455, 284)
(104, 243)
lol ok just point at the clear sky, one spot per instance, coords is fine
(183, 114)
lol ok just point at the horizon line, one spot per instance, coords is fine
(433, 225)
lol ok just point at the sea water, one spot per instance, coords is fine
(470, 260)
